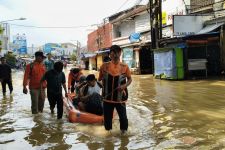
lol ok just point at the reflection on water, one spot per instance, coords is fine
(192, 115)
(44, 135)
(162, 115)
(6, 104)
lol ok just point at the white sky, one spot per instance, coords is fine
(58, 13)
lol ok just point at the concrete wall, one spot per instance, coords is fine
(142, 22)
(100, 38)
(126, 28)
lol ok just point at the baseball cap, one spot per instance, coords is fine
(39, 53)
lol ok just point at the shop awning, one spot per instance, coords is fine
(101, 52)
(83, 56)
(210, 28)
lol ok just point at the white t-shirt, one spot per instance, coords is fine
(95, 89)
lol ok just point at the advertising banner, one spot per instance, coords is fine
(20, 43)
(128, 56)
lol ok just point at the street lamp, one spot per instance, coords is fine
(6, 38)
(13, 20)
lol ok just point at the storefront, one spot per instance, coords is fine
(89, 59)
(128, 57)
(168, 63)
(203, 55)
(197, 56)
(100, 57)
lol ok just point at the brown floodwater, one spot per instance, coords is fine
(162, 115)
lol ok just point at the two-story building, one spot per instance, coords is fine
(98, 45)
(131, 31)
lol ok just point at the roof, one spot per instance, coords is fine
(87, 55)
(210, 28)
(127, 13)
(103, 51)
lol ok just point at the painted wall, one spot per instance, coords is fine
(92, 63)
(100, 38)
(142, 22)
(126, 28)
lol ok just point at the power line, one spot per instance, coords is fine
(122, 5)
(138, 2)
(51, 27)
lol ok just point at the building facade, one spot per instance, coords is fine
(98, 44)
(131, 31)
(69, 49)
(5, 38)
(197, 40)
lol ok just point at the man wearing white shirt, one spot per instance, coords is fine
(90, 96)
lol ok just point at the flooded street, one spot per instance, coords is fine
(162, 115)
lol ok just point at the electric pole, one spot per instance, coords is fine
(155, 22)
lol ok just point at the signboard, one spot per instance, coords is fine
(21, 44)
(48, 47)
(128, 56)
(187, 25)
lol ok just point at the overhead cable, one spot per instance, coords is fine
(47, 27)
(122, 5)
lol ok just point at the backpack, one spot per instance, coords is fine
(31, 68)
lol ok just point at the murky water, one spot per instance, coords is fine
(162, 115)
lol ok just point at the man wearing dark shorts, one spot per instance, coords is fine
(55, 80)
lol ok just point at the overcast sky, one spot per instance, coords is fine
(58, 13)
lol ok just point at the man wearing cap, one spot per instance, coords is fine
(32, 76)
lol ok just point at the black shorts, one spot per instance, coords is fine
(94, 104)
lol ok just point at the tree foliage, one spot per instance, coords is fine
(10, 59)
(1, 31)
(73, 57)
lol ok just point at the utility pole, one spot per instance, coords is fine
(155, 22)
(32, 53)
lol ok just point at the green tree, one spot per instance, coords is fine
(1, 31)
(73, 57)
(11, 59)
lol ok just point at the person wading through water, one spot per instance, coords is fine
(116, 77)
(32, 76)
(55, 80)
(73, 78)
(49, 63)
(5, 76)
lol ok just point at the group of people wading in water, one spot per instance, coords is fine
(98, 96)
